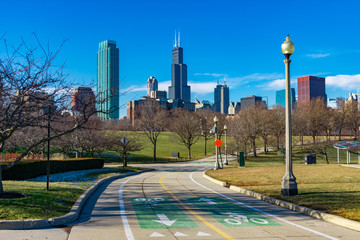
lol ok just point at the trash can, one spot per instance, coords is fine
(310, 159)
(241, 160)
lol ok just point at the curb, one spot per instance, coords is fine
(347, 223)
(67, 218)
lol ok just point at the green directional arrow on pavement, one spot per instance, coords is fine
(230, 214)
(159, 212)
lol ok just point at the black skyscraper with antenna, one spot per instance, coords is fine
(179, 90)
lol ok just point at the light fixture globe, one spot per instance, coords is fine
(225, 127)
(216, 119)
(287, 47)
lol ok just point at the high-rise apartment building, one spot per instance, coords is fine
(83, 100)
(221, 98)
(108, 80)
(281, 96)
(309, 88)
(179, 90)
(152, 85)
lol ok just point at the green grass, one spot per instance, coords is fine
(331, 188)
(42, 204)
(166, 144)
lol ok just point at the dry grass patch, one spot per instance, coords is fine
(329, 188)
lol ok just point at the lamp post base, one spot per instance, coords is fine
(289, 188)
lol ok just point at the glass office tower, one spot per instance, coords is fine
(108, 80)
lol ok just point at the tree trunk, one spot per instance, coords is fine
(205, 146)
(154, 151)
(314, 140)
(124, 161)
(189, 153)
(265, 145)
(254, 146)
(302, 139)
(327, 159)
(1, 185)
(340, 134)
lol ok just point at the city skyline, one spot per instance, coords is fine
(238, 41)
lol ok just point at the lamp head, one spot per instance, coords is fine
(287, 47)
(216, 119)
(225, 127)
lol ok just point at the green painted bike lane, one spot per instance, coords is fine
(153, 213)
(230, 214)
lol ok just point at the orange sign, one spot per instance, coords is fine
(218, 142)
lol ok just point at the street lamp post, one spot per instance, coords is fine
(217, 164)
(49, 110)
(288, 185)
(226, 161)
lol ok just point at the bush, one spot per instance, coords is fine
(32, 169)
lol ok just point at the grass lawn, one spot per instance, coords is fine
(329, 188)
(166, 144)
(42, 204)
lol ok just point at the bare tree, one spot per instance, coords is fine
(125, 144)
(30, 82)
(320, 148)
(185, 126)
(276, 122)
(266, 122)
(206, 124)
(299, 123)
(340, 117)
(352, 117)
(152, 120)
(331, 123)
(239, 134)
(252, 119)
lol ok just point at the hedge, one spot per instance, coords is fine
(31, 169)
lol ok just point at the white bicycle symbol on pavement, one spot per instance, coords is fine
(237, 219)
(151, 201)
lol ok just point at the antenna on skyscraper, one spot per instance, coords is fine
(179, 39)
(224, 81)
(175, 45)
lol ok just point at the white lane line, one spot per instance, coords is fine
(124, 219)
(265, 213)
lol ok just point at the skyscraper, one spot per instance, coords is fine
(309, 88)
(221, 98)
(179, 90)
(152, 85)
(108, 80)
(280, 97)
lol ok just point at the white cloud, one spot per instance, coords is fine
(202, 88)
(135, 88)
(277, 84)
(347, 82)
(318, 55)
(255, 77)
(262, 76)
(163, 86)
(216, 75)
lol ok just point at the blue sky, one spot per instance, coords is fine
(238, 40)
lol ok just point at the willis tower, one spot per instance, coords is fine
(179, 90)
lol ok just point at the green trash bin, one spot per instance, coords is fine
(241, 160)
